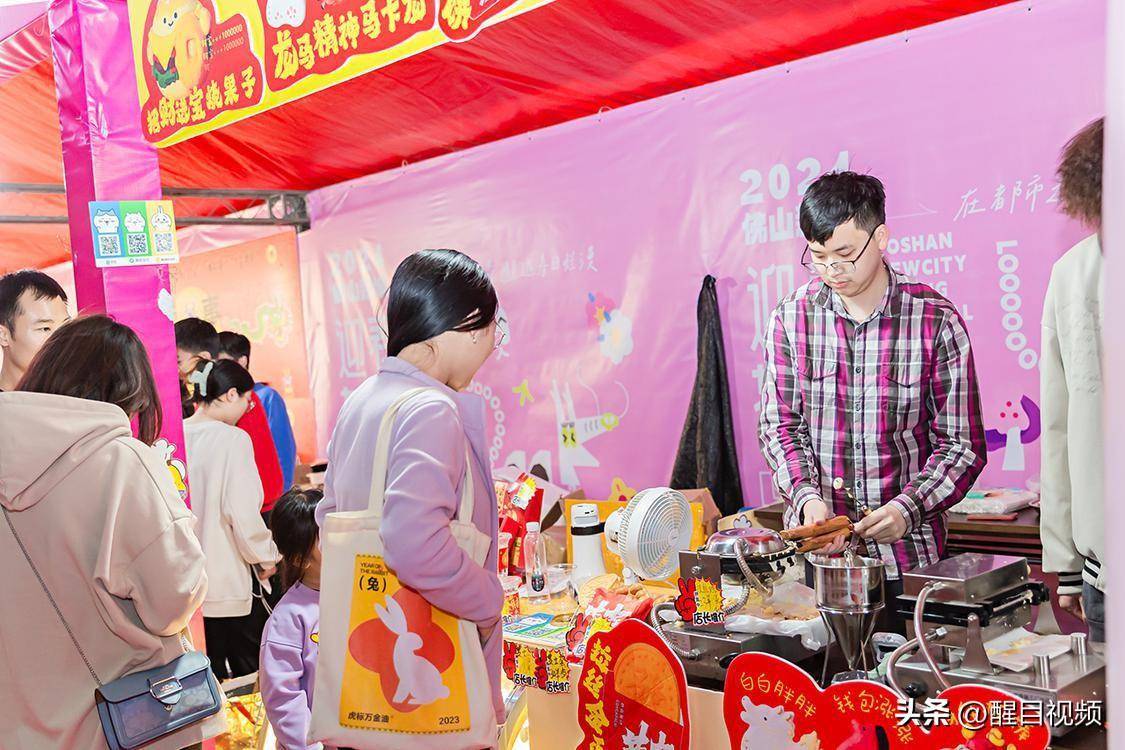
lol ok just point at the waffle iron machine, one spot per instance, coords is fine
(962, 603)
(733, 564)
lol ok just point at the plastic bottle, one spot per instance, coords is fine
(535, 564)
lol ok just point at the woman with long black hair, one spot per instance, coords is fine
(442, 325)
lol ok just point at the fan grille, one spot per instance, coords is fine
(655, 528)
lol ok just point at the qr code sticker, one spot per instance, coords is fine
(109, 245)
(136, 244)
(163, 242)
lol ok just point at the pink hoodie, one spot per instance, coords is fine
(111, 537)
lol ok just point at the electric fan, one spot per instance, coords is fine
(649, 533)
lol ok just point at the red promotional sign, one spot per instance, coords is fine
(769, 702)
(195, 66)
(462, 19)
(978, 722)
(323, 41)
(632, 694)
(202, 64)
(546, 669)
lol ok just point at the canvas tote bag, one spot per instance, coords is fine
(394, 672)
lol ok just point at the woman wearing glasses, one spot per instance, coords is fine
(870, 403)
(443, 323)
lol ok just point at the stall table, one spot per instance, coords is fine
(1019, 537)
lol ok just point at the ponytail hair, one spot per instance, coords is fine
(212, 379)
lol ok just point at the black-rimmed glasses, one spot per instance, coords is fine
(847, 267)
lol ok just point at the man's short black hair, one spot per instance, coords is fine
(196, 336)
(12, 287)
(234, 345)
(838, 197)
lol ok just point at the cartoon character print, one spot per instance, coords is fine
(1012, 438)
(176, 468)
(541, 670)
(134, 222)
(574, 433)
(281, 13)
(770, 728)
(410, 673)
(511, 652)
(106, 222)
(685, 603)
(161, 222)
(178, 45)
(577, 633)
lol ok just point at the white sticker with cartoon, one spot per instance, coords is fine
(148, 238)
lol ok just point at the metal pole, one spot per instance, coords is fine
(170, 192)
(185, 221)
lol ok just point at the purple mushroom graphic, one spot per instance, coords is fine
(1011, 437)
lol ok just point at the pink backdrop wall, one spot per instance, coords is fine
(598, 234)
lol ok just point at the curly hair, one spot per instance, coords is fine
(1080, 175)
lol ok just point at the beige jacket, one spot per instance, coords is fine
(1071, 474)
(113, 541)
(226, 498)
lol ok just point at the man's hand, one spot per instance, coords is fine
(1073, 605)
(885, 525)
(815, 511)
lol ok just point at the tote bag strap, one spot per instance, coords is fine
(382, 458)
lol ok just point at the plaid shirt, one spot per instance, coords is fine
(890, 405)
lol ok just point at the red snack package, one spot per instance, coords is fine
(523, 504)
(605, 610)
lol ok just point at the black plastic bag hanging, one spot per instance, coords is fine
(707, 456)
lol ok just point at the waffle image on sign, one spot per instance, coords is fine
(643, 674)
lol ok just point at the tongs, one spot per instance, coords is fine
(849, 551)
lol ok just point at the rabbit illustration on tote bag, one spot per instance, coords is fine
(419, 681)
(393, 672)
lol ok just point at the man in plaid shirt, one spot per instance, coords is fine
(869, 379)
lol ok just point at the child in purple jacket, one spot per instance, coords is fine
(289, 643)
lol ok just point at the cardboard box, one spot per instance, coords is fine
(711, 512)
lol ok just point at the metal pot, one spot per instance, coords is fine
(754, 541)
(848, 586)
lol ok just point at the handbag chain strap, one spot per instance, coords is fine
(27, 556)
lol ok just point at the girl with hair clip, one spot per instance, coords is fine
(226, 498)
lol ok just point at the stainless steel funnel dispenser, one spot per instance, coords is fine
(849, 596)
